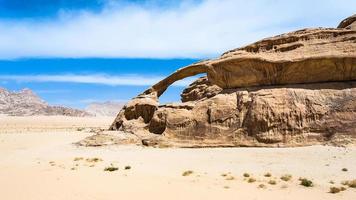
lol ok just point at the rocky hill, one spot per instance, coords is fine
(27, 103)
(109, 108)
(293, 89)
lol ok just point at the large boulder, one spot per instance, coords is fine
(293, 89)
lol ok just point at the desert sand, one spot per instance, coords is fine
(38, 160)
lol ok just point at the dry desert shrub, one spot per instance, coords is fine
(335, 190)
(187, 173)
(286, 177)
(251, 180)
(351, 183)
(94, 160)
(306, 182)
(78, 158)
(111, 169)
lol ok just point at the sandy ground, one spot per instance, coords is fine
(37, 161)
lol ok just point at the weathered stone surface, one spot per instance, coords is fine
(109, 138)
(292, 89)
(349, 23)
(199, 89)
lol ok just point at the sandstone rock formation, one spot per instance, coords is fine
(27, 103)
(293, 89)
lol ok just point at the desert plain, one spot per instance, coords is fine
(40, 160)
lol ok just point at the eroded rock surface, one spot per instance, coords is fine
(293, 89)
(27, 103)
(199, 89)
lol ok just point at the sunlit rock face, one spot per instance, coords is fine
(293, 89)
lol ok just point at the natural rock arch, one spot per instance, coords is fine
(185, 72)
(254, 107)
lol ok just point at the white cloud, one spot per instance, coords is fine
(192, 29)
(103, 79)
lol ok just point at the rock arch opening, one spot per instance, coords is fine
(178, 91)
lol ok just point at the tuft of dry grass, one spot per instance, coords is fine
(93, 160)
(127, 167)
(344, 169)
(268, 174)
(351, 183)
(80, 129)
(78, 158)
(187, 173)
(335, 190)
(286, 177)
(262, 186)
(251, 180)
(272, 182)
(246, 175)
(111, 169)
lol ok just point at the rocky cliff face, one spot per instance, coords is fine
(27, 103)
(293, 89)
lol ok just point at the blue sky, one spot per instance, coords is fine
(72, 52)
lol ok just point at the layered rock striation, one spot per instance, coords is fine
(292, 89)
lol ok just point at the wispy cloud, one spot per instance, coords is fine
(103, 79)
(189, 29)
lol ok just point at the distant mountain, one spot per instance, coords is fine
(27, 103)
(108, 108)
